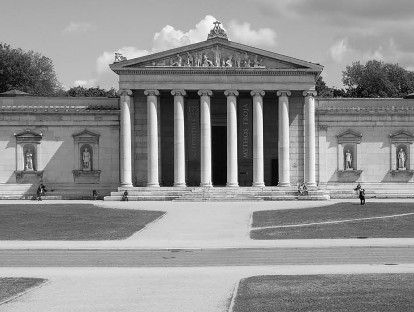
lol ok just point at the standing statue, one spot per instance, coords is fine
(238, 59)
(28, 161)
(86, 157)
(229, 62)
(348, 160)
(217, 56)
(207, 62)
(198, 59)
(190, 59)
(401, 159)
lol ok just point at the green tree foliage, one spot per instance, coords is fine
(377, 79)
(80, 91)
(27, 71)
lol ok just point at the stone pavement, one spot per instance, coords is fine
(186, 225)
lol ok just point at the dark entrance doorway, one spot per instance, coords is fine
(219, 154)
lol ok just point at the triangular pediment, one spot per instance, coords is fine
(402, 136)
(349, 136)
(86, 134)
(216, 53)
(28, 136)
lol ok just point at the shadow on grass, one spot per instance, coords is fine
(326, 293)
(362, 227)
(71, 222)
(11, 287)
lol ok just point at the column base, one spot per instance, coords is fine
(258, 184)
(153, 185)
(283, 184)
(311, 184)
(232, 184)
(126, 185)
(207, 184)
(180, 184)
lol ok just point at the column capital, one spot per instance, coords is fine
(283, 93)
(205, 92)
(124, 92)
(178, 92)
(152, 92)
(310, 93)
(231, 93)
(257, 93)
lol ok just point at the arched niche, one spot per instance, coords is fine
(29, 167)
(401, 140)
(86, 146)
(348, 141)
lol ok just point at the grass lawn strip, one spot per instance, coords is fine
(71, 222)
(11, 288)
(326, 293)
(341, 220)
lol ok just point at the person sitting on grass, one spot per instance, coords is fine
(125, 196)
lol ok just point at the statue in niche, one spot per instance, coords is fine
(28, 165)
(348, 161)
(86, 157)
(401, 159)
(207, 62)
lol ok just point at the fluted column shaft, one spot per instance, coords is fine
(152, 144)
(284, 163)
(309, 112)
(232, 174)
(125, 138)
(179, 144)
(205, 128)
(258, 158)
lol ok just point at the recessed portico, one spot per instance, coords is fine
(191, 102)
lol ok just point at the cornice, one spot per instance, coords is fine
(377, 110)
(216, 71)
(58, 108)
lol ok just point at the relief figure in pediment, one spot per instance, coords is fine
(246, 61)
(198, 59)
(190, 60)
(238, 59)
(217, 56)
(207, 62)
(229, 62)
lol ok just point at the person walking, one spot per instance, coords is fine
(362, 196)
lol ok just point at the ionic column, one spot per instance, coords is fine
(205, 127)
(125, 138)
(152, 144)
(284, 164)
(258, 160)
(232, 174)
(179, 147)
(309, 123)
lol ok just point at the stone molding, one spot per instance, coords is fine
(28, 136)
(50, 109)
(205, 92)
(152, 92)
(86, 177)
(257, 93)
(124, 92)
(178, 93)
(283, 93)
(310, 93)
(231, 93)
(377, 110)
(349, 136)
(402, 136)
(24, 176)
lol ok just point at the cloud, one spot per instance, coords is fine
(339, 50)
(244, 34)
(169, 37)
(103, 61)
(74, 27)
(85, 83)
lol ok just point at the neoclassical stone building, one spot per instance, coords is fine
(207, 120)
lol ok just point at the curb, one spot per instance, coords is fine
(233, 297)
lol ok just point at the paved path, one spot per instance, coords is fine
(154, 289)
(206, 258)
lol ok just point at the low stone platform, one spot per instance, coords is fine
(199, 194)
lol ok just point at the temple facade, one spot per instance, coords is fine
(215, 115)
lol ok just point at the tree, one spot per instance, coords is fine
(80, 91)
(28, 71)
(377, 79)
(322, 89)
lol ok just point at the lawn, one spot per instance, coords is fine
(326, 293)
(394, 227)
(10, 287)
(71, 222)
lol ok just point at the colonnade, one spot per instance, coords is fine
(205, 129)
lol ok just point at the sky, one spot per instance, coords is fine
(81, 37)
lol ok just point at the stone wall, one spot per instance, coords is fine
(54, 130)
